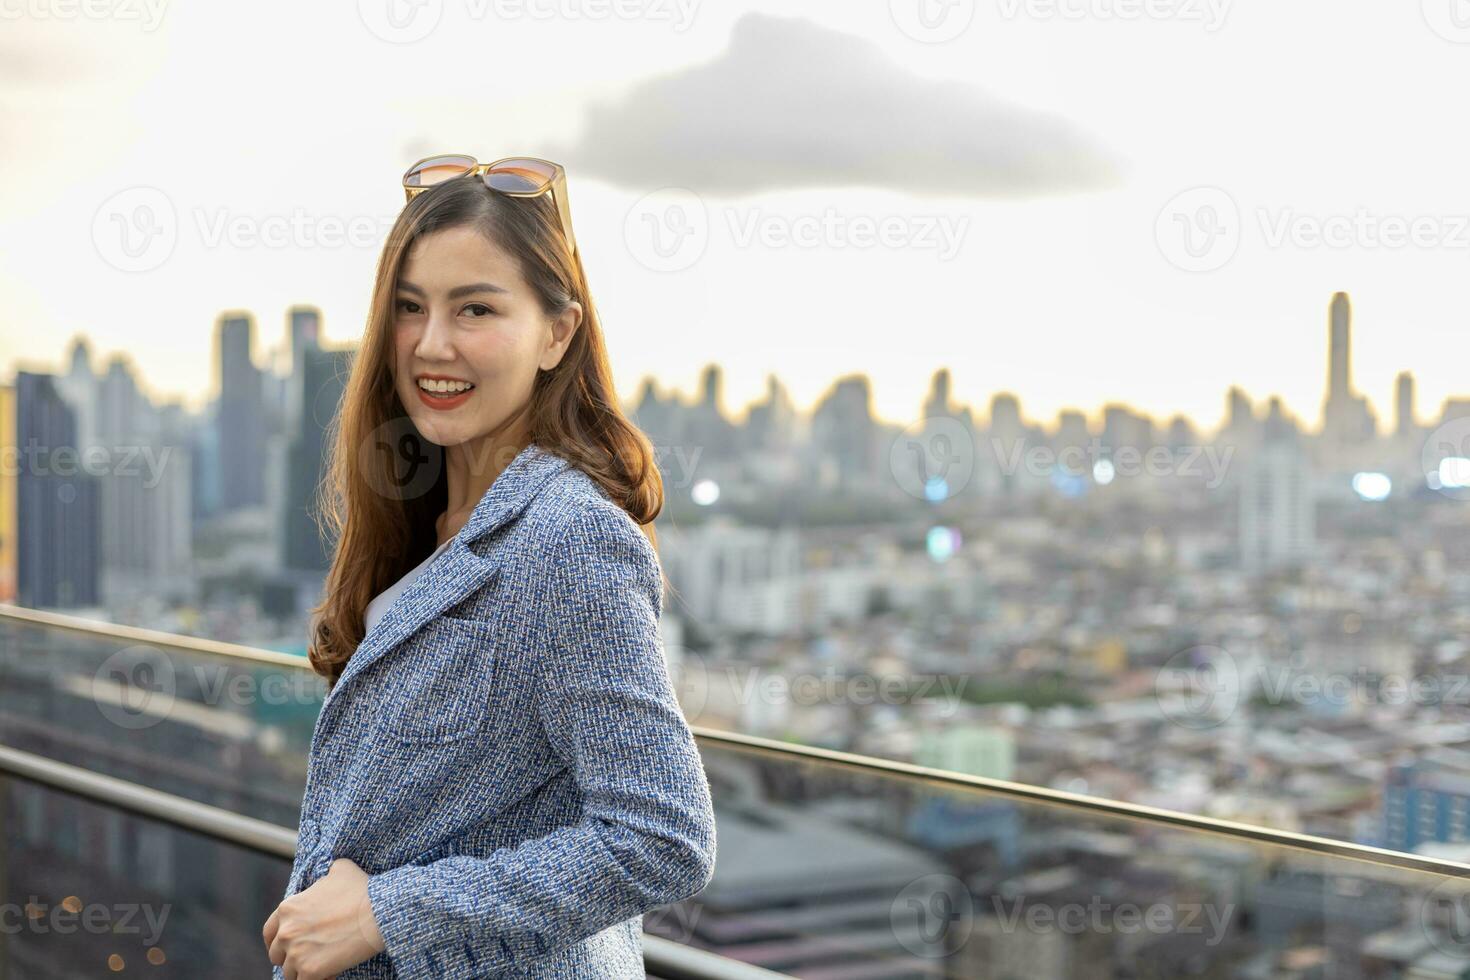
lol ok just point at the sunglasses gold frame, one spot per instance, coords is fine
(555, 185)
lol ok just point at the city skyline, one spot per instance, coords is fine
(1061, 293)
(1342, 396)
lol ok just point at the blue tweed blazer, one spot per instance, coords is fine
(504, 754)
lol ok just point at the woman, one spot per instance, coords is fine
(500, 781)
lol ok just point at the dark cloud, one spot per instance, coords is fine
(793, 104)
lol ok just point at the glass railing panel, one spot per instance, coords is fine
(91, 891)
(831, 869)
(227, 731)
(827, 871)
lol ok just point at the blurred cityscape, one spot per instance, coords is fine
(1262, 623)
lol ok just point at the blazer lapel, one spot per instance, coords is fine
(459, 571)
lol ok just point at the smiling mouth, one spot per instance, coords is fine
(443, 390)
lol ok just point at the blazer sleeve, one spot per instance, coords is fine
(646, 836)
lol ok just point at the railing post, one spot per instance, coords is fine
(4, 870)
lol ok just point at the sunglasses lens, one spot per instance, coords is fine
(437, 169)
(520, 175)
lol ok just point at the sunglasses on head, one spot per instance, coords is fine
(513, 177)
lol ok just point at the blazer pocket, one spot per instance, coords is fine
(440, 690)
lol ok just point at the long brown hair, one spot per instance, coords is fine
(386, 485)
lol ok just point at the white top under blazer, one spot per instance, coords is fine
(384, 599)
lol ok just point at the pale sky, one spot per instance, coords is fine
(1050, 141)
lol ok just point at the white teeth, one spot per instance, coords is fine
(440, 385)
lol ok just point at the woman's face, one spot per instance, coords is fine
(468, 328)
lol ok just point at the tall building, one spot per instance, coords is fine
(1240, 414)
(737, 577)
(1428, 800)
(1180, 434)
(1340, 347)
(1403, 398)
(323, 376)
(204, 465)
(8, 524)
(57, 513)
(1277, 522)
(1001, 452)
(240, 420)
(938, 401)
(1124, 428)
(1346, 417)
(844, 433)
(708, 426)
(145, 528)
(79, 387)
(1072, 429)
(304, 327)
(771, 423)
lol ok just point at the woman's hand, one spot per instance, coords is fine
(328, 927)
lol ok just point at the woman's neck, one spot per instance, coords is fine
(471, 468)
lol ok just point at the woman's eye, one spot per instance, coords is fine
(479, 309)
(403, 305)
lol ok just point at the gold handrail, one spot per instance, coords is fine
(867, 765)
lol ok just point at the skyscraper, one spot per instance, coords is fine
(1277, 513)
(57, 512)
(1346, 417)
(1340, 341)
(145, 531)
(240, 420)
(323, 377)
(1403, 396)
(304, 324)
(844, 433)
(8, 525)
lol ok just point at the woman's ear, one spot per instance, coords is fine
(563, 329)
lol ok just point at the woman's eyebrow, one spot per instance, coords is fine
(457, 291)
